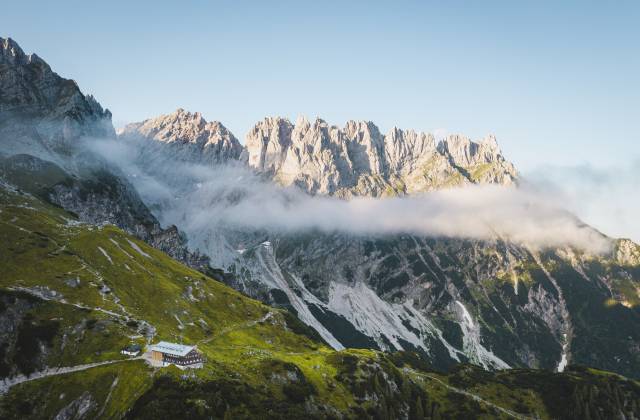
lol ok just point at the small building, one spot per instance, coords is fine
(165, 354)
(132, 350)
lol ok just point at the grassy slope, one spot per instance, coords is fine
(257, 363)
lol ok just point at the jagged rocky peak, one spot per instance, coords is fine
(29, 88)
(316, 156)
(189, 134)
(358, 160)
(267, 142)
(13, 55)
(465, 152)
(11, 50)
(404, 148)
(354, 160)
(42, 113)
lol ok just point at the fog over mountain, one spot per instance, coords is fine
(604, 197)
(358, 160)
(316, 219)
(196, 196)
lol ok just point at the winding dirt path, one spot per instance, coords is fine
(7, 383)
(473, 396)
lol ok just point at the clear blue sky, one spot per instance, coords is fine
(557, 82)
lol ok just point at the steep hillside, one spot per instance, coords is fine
(97, 194)
(47, 130)
(495, 303)
(73, 294)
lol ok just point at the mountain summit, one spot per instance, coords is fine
(355, 160)
(190, 136)
(358, 160)
(30, 90)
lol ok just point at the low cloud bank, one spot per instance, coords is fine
(607, 198)
(198, 198)
(474, 212)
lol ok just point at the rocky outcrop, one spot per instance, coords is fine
(78, 408)
(188, 136)
(25, 342)
(358, 160)
(42, 111)
(627, 252)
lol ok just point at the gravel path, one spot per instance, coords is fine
(7, 383)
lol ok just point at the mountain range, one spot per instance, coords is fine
(356, 160)
(413, 304)
(493, 302)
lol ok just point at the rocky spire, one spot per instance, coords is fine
(11, 51)
(29, 85)
(268, 142)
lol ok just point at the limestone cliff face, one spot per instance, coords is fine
(357, 160)
(42, 111)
